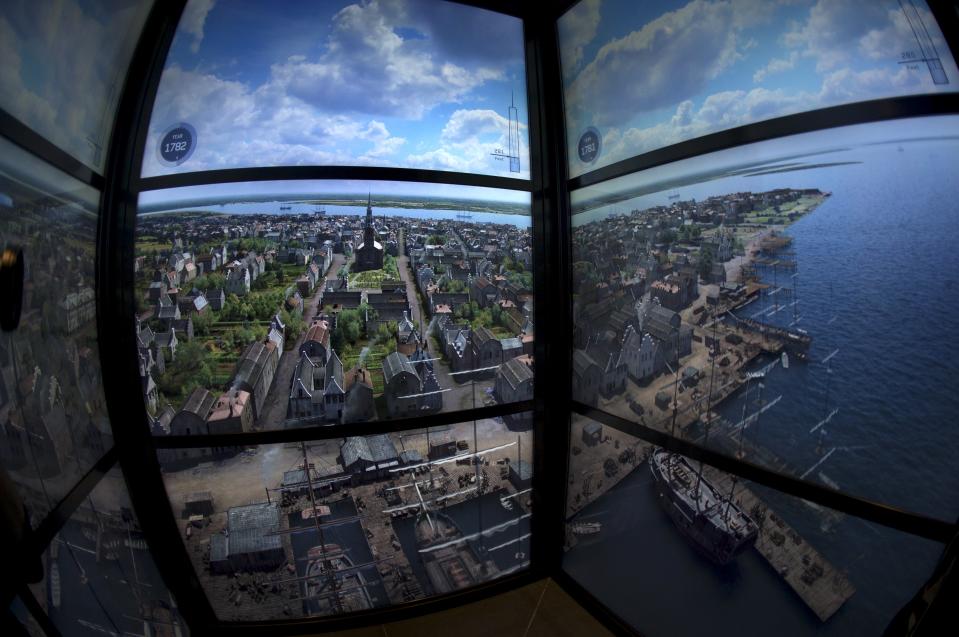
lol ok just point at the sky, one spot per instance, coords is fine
(650, 74)
(405, 83)
(62, 65)
(821, 146)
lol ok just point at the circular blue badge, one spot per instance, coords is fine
(176, 144)
(590, 143)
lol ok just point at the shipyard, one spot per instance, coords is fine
(340, 525)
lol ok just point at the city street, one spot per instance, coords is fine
(275, 406)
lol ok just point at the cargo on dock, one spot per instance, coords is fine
(818, 583)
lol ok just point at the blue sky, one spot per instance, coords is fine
(404, 83)
(647, 74)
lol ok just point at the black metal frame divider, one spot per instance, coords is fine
(135, 447)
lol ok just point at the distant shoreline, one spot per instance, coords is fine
(441, 204)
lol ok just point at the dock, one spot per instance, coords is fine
(598, 468)
(818, 583)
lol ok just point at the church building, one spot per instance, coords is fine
(369, 254)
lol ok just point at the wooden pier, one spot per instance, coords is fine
(818, 583)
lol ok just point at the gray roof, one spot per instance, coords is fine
(378, 448)
(514, 371)
(252, 528)
(482, 334)
(593, 428)
(396, 363)
(411, 456)
(200, 402)
(581, 362)
(511, 343)
(219, 548)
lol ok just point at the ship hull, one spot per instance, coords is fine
(712, 541)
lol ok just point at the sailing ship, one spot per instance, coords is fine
(55, 584)
(715, 525)
(586, 528)
(333, 583)
(448, 558)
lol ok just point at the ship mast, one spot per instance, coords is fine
(712, 375)
(316, 521)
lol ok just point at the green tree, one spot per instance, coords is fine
(706, 260)
(389, 266)
(203, 321)
(190, 369)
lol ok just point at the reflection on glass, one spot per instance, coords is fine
(638, 77)
(64, 65)
(410, 83)
(99, 577)
(786, 302)
(654, 535)
(22, 615)
(286, 304)
(52, 410)
(345, 525)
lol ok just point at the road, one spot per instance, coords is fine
(273, 414)
(406, 275)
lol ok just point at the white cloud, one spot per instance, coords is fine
(465, 126)
(262, 127)
(467, 142)
(776, 65)
(668, 60)
(334, 107)
(63, 66)
(577, 28)
(368, 68)
(194, 19)
(832, 26)
(729, 109)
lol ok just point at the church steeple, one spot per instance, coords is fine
(369, 210)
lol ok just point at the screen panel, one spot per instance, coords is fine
(412, 84)
(52, 409)
(98, 574)
(637, 543)
(638, 78)
(375, 521)
(64, 64)
(784, 302)
(290, 304)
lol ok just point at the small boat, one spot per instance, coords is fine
(318, 511)
(286, 207)
(55, 584)
(587, 528)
